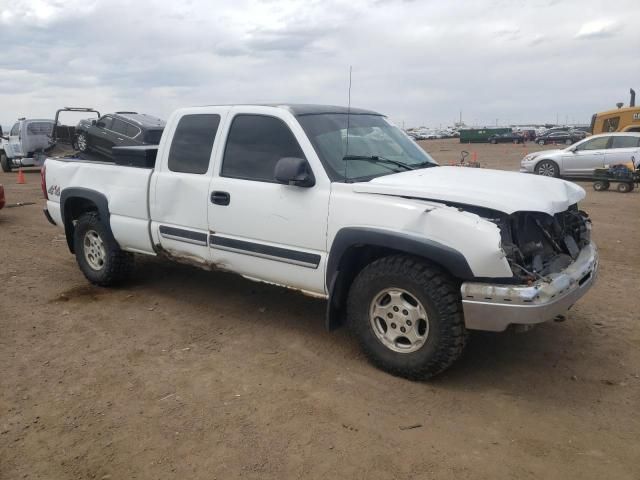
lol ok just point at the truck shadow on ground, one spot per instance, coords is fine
(512, 363)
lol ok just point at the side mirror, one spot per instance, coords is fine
(93, 122)
(294, 171)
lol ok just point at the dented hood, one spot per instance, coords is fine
(507, 192)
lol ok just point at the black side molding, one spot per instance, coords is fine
(188, 236)
(286, 255)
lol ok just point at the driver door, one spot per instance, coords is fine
(260, 228)
(98, 135)
(582, 159)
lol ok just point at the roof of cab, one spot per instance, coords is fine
(307, 108)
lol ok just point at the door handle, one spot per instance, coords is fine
(220, 198)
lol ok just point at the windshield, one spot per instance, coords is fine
(369, 136)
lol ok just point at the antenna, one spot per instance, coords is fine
(346, 151)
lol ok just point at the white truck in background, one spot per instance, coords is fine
(26, 144)
(337, 203)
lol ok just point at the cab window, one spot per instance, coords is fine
(254, 146)
(611, 124)
(15, 130)
(192, 143)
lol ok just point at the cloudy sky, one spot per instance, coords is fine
(420, 61)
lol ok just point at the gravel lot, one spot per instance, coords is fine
(190, 374)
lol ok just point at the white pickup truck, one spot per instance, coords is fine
(340, 204)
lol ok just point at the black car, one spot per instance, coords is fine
(559, 136)
(120, 129)
(510, 137)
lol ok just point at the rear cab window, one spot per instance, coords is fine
(192, 143)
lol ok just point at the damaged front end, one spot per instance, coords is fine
(537, 244)
(553, 261)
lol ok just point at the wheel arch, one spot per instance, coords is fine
(76, 201)
(354, 248)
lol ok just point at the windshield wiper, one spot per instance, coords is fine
(377, 159)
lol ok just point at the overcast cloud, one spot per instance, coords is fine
(417, 61)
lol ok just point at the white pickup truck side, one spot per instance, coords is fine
(340, 204)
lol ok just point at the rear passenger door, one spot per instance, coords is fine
(624, 150)
(179, 191)
(260, 228)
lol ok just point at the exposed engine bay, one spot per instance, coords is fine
(537, 244)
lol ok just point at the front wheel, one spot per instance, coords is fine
(547, 168)
(601, 185)
(82, 143)
(407, 316)
(5, 162)
(98, 254)
(540, 142)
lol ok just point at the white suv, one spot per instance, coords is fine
(583, 157)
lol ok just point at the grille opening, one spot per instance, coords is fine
(584, 279)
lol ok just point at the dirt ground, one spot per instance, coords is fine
(190, 374)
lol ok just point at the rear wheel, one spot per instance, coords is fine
(5, 162)
(407, 316)
(83, 144)
(601, 185)
(98, 254)
(547, 168)
(493, 142)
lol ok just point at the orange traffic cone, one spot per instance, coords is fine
(474, 156)
(21, 179)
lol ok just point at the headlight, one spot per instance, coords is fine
(529, 157)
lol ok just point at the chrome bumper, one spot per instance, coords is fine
(495, 307)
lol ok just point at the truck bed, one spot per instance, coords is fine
(125, 188)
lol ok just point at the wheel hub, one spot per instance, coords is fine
(547, 170)
(94, 251)
(399, 320)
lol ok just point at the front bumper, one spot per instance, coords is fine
(526, 168)
(495, 307)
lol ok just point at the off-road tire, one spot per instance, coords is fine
(5, 162)
(540, 168)
(438, 292)
(118, 264)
